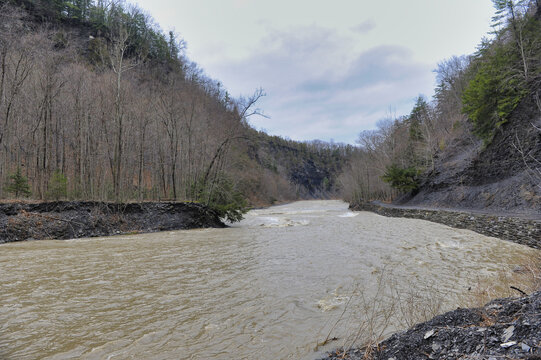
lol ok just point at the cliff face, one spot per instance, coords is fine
(311, 168)
(504, 176)
(314, 179)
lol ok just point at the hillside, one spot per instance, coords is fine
(502, 177)
(477, 143)
(97, 103)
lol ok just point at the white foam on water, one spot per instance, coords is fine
(349, 214)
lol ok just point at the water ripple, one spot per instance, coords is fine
(266, 288)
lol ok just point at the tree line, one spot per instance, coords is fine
(117, 122)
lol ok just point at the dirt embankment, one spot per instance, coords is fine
(502, 329)
(75, 219)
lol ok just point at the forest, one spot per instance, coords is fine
(96, 102)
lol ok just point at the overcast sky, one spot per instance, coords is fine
(329, 68)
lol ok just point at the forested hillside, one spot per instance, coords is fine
(477, 144)
(96, 102)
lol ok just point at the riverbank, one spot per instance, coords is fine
(522, 230)
(508, 328)
(76, 219)
(502, 329)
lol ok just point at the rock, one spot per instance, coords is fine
(464, 334)
(508, 333)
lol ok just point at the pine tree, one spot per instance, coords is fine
(58, 186)
(402, 179)
(18, 184)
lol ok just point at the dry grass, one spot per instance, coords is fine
(369, 316)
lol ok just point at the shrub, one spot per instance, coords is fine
(222, 196)
(18, 184)
(58, 186)
(402, 179)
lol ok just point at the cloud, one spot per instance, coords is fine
(364, 27)
(318, 87)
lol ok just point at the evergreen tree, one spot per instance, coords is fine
(18, 184)
(402, 179)
(418, 115)
(495, 90)
(58, 186)
(223, 197)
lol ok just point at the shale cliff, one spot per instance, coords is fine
(502, 176)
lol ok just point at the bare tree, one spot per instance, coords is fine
(120, 64)
(169, 109)
(15, 68)
(241, 110)
(514, 12)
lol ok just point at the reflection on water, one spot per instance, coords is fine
(267, 288)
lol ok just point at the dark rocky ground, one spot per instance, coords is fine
(75, 219)
(503, 176)
(503, 329)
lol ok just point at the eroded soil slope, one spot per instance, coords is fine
(74, 219)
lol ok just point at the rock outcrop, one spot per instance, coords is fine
(504, 175)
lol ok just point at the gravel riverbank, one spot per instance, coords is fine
(519, 229)
(76, 219)
(503, 329)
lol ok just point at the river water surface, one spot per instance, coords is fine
(269, 287)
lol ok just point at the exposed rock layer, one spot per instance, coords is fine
(503, 176)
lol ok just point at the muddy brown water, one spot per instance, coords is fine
(269, 287)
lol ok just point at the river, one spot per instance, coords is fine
(270, 287)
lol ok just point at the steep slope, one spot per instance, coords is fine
(97, 92)
(504, 176)
(311, 167)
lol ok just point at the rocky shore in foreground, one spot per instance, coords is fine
(76, 219)
(503, 329)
